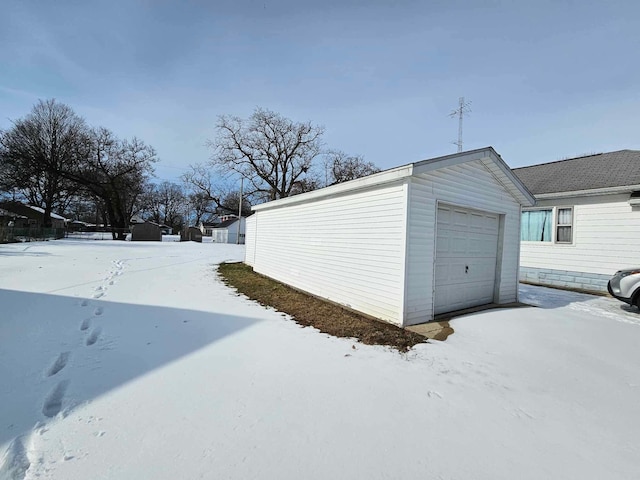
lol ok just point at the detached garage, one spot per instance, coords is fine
(402, 245)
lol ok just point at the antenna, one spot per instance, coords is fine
(463, 108)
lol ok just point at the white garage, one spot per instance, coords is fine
(402, 245)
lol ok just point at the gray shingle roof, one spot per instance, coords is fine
(613, 169)
(226, 223)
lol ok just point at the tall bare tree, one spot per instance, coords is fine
(166, 203)
(211, 192)
(37, 149)
(116, 172)
(271, 152)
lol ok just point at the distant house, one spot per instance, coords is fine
(11, 219)
(34, 215)
(146, 232)
(586, 222)
(207, 228)
(228, 230)
(165, 229)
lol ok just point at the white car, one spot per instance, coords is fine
(625, 286)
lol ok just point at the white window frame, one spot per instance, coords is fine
(553, 219)
(554, 223)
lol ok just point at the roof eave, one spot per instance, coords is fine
(590, 192)
(387, 176)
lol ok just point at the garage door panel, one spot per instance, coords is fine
(466, 252)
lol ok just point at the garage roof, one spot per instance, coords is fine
(488, 156)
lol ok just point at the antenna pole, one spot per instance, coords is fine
(463, 108)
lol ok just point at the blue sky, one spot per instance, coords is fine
(547, 80)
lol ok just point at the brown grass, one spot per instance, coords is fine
(311, 311)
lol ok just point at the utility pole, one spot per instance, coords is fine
(463, 108)
(239, 213)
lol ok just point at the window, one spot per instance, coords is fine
(564, 225)
(536, 226)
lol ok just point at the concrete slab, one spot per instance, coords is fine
(439, 328)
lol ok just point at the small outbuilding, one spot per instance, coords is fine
(146, 232)
(228, 231)
(403, 245)
(191, 234)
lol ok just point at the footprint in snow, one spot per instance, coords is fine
(84, 303)
(98, 295)
(53, 401)
(93, 336)
(16, 461)
(59, 363)
(86, 323)
(98, 311)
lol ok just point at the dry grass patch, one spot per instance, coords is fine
(311, 311)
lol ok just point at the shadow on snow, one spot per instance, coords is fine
(57, 353)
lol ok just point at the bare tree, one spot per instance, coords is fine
(341, 167)
(116, 172)
(166, 203)
(37, 149)
(200, 205)
(270, 151)
(212, 192)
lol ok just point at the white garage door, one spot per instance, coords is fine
(466, 252)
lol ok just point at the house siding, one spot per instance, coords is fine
(470, 185)
(605, 239)
(347, 248)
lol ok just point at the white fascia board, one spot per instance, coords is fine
(590, 193)
(387, 176)
(487, 156)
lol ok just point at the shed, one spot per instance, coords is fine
(192, 234)
(146, 231)
(403, 245)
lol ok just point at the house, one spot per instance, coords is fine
(207, 228)
(227, 231)
(146, 232)
(166, 229)
(403, 245)
(34, 215)
(10, 219)
(586, 222)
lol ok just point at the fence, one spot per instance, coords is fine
(11, 234)
(94, 235)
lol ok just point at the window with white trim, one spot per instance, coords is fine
(564, 225)
(541, 225)
(535, 225)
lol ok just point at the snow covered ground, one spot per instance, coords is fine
(124, 360)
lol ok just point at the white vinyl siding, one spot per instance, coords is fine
(348, 249)
(468, 185)
(250, 240)
(370, 244)
(605, 237)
